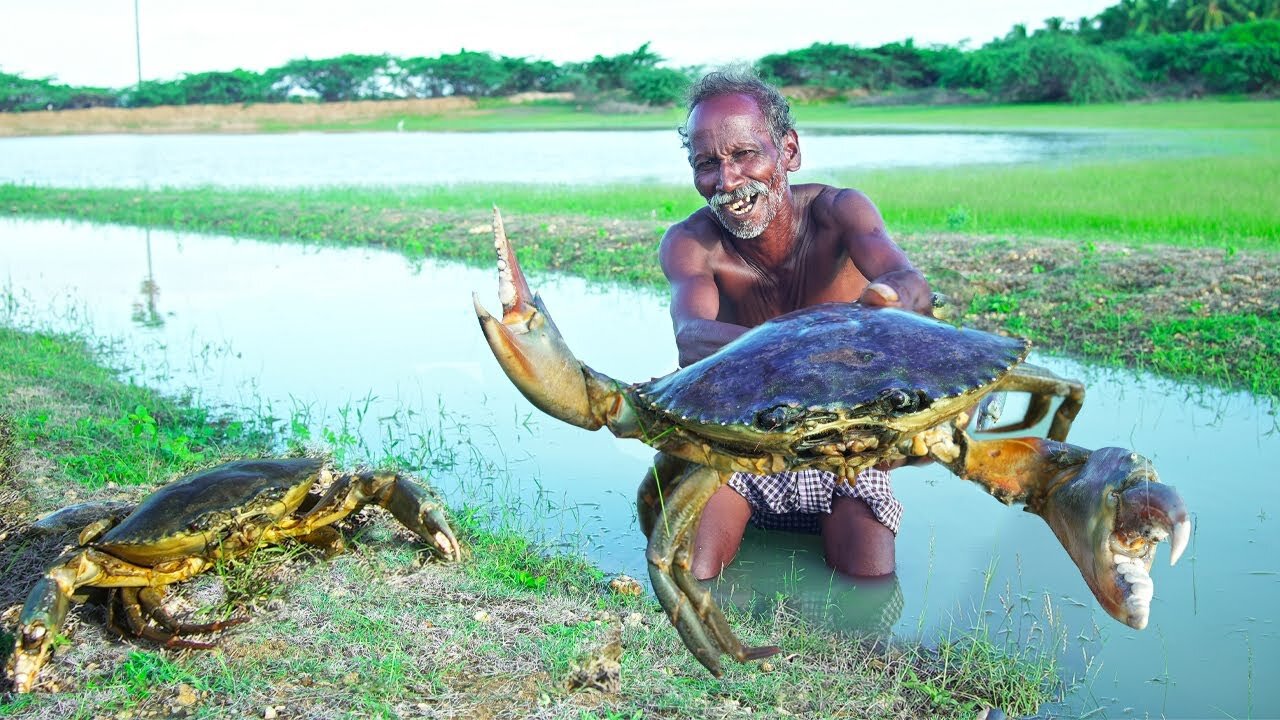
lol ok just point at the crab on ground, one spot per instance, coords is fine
(185, 527)
(843, 387)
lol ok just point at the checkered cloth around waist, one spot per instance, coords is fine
(793, 500)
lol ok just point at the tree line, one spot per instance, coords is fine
(1131, 49)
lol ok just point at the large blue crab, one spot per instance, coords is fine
(188, 525)
(843, 387)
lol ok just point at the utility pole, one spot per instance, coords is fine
(137, 41)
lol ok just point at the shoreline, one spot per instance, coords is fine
(1197, 314)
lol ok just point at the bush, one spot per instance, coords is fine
(1247, 60)
(154, 92)
(1047, 67)
(1170, 58)
(18, 94)
(656, 86)
(1240, 58)
(842, 67)
(225, 88)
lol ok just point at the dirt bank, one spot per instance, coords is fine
(217, 118)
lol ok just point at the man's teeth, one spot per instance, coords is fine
(743, 205)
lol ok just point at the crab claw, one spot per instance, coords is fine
(38, 627)
(1110, 517)
(528, 346)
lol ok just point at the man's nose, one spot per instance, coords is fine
(731, 178)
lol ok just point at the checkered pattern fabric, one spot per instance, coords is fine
(792, 500)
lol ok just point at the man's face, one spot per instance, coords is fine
(736, 165)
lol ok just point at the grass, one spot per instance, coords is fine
(104, 432)
(380, 631)
(1207, 114)
(1222, 202)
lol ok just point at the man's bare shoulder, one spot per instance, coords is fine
(697, 236)
(835, 206)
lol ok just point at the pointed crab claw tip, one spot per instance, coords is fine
(1178, 542)
(480, 311)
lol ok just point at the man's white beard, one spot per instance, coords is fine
(769, 200)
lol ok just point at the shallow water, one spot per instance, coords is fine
(579, 157)
(285, 328)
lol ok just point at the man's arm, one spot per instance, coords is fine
(695, 298)
(893, 280)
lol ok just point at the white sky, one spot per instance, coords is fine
(91, 42)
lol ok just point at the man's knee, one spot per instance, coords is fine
(719, 532)
(856, 542)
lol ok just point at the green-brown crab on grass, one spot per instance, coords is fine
(843, 387)
(185, 527)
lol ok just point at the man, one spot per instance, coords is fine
(762, 248)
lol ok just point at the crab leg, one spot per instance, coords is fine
(152, 602)
(46, 607)
(1043, 385)
(689, 605)
(1107, 507)
(416, 507)
(130, 602)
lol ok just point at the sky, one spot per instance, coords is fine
(92, 42)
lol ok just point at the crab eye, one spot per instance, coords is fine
(901, 401)
(777, 417)
(271, 494)
(200, 524)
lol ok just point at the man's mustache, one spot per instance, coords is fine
(753, 187)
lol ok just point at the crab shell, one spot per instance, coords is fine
(830, 373)
(224, 508)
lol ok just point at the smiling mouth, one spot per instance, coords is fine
(742, 207)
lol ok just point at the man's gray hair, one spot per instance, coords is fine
(741, 80)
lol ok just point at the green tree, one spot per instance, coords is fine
(473, 74)
(347, 77)
(1206, 15)
(222, 88)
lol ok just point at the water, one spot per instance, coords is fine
(372, 158)
(284, 326)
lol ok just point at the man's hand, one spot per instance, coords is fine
(880, 295)
(904, 289)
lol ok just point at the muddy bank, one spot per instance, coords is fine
(218, 118)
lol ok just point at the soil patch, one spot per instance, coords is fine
(218, 118)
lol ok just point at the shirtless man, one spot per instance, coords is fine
(762, 248)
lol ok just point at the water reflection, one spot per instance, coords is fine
(387, 351)
(145, 312)
(780, 570)
(572, 157)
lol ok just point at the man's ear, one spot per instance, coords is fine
(791, 150)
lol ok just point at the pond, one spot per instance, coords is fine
(390, 347)
(379, 158)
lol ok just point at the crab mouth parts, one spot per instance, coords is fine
(1134, 582)
(1150, 513)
